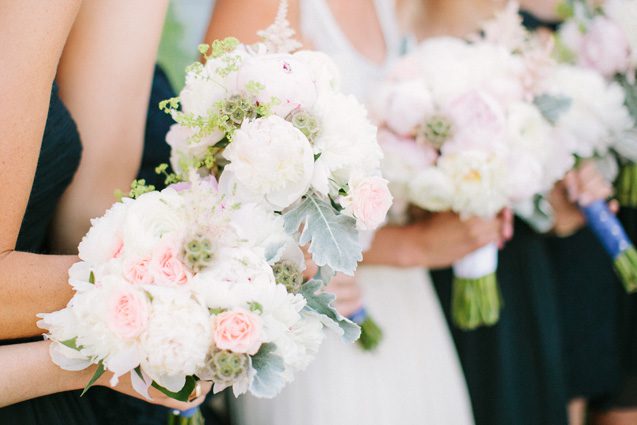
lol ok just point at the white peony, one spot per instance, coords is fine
(325, 73)
(201, 93)
(624, 13)
(346, 142)
(479, 181)
(284, 78)
(259, 227)
(300, 345)
(150, 217)
(404, 105)
(105, 238)
(177, 339)
(432, 190)
(183, 151)
(596, 116)
(271, 159)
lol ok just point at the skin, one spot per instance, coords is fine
(38, 283)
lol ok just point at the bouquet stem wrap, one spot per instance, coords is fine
(186, 417)
(627, 186)
(476, 297)
(371, 333)
(613, 237)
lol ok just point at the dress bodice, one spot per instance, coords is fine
(359, 73)
(59, 158)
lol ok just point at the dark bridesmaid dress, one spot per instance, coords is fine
(59, 158)
(514, 369)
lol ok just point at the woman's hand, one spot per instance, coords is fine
(349, 296)
(437, 240)
(580, 187)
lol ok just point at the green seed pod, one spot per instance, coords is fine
(288, 274)
(227, 366)
(437, 130)
(198, 253)
(305, 122)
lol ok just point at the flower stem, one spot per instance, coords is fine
(475, 302)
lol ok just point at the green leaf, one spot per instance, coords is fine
(183, 394)
(98, 373)
(322, 303)
(91, 278)
(552, 107)
(71, 343)
(269, 367)
(333, 237)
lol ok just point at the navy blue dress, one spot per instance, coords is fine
(59, 158)
(514, 369)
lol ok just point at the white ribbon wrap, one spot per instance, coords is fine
(481, 262)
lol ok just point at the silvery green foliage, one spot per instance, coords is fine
(322, 303)
(332, 236)
(268, 380)
(552, 107)
(631, 96)
(626, 145)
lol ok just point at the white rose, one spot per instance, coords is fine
(346, 142)
(324, 71)
(432, 190)
(177, 339)
(284, 78)
(271, 159)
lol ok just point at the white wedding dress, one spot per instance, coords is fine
(414, 377)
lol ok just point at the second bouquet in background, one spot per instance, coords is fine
(461, 133)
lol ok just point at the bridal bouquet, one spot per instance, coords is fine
(592, 126)
(461, 133)
(271, 124)
(604, 39)
(191, 284)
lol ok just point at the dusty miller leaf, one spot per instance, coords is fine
(552, 107)
(333, 237)
(269, 367)
(322, 303)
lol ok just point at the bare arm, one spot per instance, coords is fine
(27, 372)
(238, 18)
(105, 77)
(34, 33)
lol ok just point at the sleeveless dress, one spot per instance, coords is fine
(514, 369)
(414, 376)
(59, 158)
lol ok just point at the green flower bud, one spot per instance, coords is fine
(288, 274)
(238, 109)
(305, 122)
(227, 366)
(437, 130)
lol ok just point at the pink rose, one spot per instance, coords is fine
(368, 201)
(238, 331)
(166, 267)
(139, 272)
(127, 313)
(605, 48)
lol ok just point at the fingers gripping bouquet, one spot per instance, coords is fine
(460, 133)
(604, 39)
(270, 123)
(191, 284)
